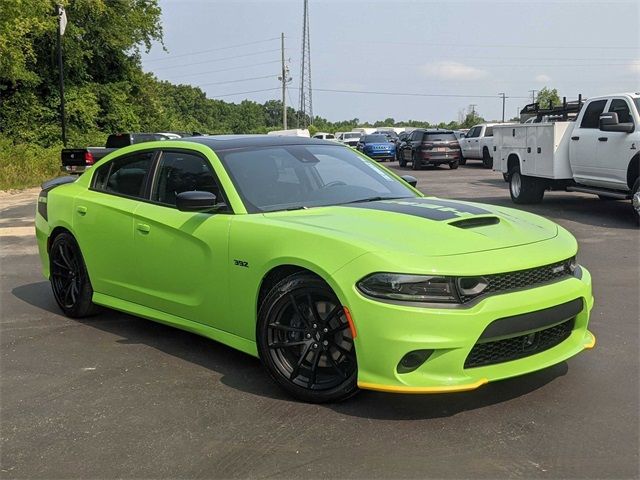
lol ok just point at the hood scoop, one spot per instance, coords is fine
(475, 222)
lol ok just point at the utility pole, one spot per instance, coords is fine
(533, 96)
(473, 111)
(503, 101)
(306, 105)
(284, 74)
(62, 24)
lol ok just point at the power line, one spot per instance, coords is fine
(501, 45)
(243, 93)
(408, 94)
(210, 50)
(221, 59)
(226, 69)
(236, 81)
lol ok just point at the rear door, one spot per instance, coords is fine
(584, 144)
(182, 266)
(103, 222)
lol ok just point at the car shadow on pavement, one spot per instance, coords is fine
(245, 373)
(238, 370)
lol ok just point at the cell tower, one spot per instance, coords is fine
(306, 104)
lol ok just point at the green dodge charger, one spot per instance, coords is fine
(338, 274)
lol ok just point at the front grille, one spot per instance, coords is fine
(513, 348)
(502, 282)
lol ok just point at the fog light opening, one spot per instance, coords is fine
(413, 360)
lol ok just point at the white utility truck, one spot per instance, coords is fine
(598, 153)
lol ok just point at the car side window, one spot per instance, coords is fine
(476, 132)
(125, 175)
(591, 118)
(488, 132)
(182, 172)
(416, 135)
(621, 107)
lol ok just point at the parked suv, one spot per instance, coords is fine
(430, 147)
(377, 147)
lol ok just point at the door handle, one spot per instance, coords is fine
(575, 138)
(143, 228)
(603, 139)
(81, 209)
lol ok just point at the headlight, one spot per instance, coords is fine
(410, 288)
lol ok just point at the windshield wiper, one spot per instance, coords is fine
(372, 199)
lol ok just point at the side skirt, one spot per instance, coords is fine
(239, 343)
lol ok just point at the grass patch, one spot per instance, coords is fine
(26, 165)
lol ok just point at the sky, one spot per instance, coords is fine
(427, 60)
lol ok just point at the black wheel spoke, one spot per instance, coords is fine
(288, 344)
(67, 292)
(286, 328)
(59, 265)
(298, 310)
(336, 310)
(339, 328)
(314, 310)
(344, 351)
(296, 369)
(335, 366)
(314, 368)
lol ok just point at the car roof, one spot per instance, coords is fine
(433, 130)
(229, 142)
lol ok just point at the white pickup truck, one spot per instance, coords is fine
(477, 144)
(599, 153)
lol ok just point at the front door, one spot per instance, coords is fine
(614, 149)
(583, 145)
(182, 256)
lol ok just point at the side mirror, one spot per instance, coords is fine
(609, 123)
(411, 180)
(197, 201)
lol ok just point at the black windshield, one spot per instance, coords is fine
(375, 139)
(297, 176)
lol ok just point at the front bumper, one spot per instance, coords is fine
(387, 332)
(384, 154)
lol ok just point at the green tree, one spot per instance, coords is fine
(548, 97)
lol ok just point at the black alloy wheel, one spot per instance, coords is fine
(305, 341)
(415, 162)
(69, 278)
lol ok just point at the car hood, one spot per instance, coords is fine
(422, 226)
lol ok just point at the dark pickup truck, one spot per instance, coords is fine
(76, 160)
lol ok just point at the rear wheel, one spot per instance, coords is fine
(69, 278)
(415, 162)
(305, 342)
(524, 189)
(453, 165)
(487, 161)
(635, 201)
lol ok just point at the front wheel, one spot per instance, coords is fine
(69, 278)
(462, 161)
(487, 161)
(415, 163)
(524, 189)
(305, 341)
(635, 200)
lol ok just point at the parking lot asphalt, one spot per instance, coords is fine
(118, 396)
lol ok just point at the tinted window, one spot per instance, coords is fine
(124, 175)
(474, 132)
(591, 118)
(621, 107)
(439, 137)
(416, 135)
(296, 176)
(375, 139)
(488, 132)
(182, 172)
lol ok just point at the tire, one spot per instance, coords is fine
(462, 161)
(415, 162)
(635, 200)
(453, 165)
(505, 176)
(487, 161)
(524, 189)
(304, 340)
(402, 162)
(69, 278)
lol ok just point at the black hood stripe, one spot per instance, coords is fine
(431, 209)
